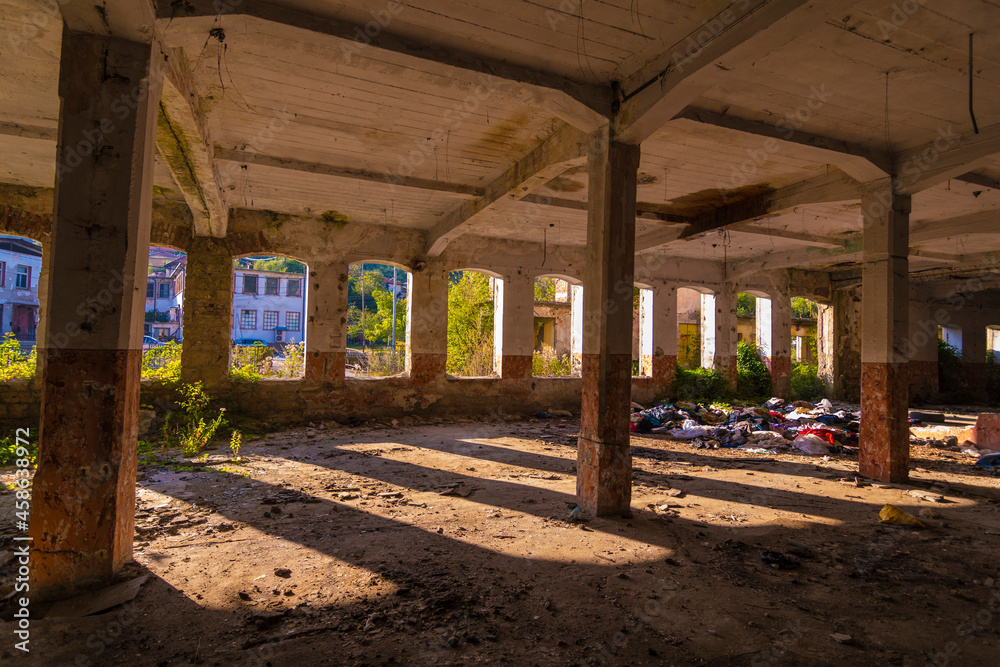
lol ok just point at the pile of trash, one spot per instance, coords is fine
(773, 428)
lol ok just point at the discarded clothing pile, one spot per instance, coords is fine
(773, 427)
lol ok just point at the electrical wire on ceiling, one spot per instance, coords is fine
(972, 113)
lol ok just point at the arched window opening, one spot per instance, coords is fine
(269, 303)
(20, 270)
(553, 327)
(377, 316)
(474, 300)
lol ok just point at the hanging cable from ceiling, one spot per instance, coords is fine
(972, 114)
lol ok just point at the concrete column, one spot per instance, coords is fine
(707, 330)
(208, 313)
(516, 343)
(885, 305)
(428, 325)
(83, 495)
(604, 462)
(326, 327)
(847, 316)
(826, 339)
(724, 360)
(922, 350)
(497, 290)
(42, 332)
(646, 332)
(576, 342)
(781, 345)
(665, 336)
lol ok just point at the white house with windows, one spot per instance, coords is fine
(20, 267)
(268, 306)
(165, 294)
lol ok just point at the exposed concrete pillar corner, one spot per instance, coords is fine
(884, 437)
(517, 336)
(208, 314)
(781, 345)
(724, 361)
(604, 462)
(83, 494)
(922, 350)
(326, 328)
(665, 336)
(427, 326)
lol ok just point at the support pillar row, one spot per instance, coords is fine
(326, 328)
(885, 442)
(604, 462)
(664, 336)
(208, 314)
(517, 335)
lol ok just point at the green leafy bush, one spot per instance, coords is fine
(806, 383)
(949, 368)
(163, 363)
(753, 380)
(15, 364)
(9, 454)
(546, 363)
(194, 433)
(470, 325)
(700, 385)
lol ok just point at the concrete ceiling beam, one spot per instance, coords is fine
(979, 179)
(29, 131)
(858, 162)
(188, 154)
(834, 186)
(565, 148)
(663, 87)
(586, 107)
(948, 155)
(387, 178)
(134, 20)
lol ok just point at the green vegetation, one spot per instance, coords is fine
(753, 379)
(15, 364)
(369, 305)
(806, 384)
(545, 289)
(252, 363)
(546, 363)
(804, 308)
(470, 325)
(746, 305)
(11, 452)
(700, 385)
(281, 264)
(235, 441)
(194, 433)
(163, 363)
(949, 368)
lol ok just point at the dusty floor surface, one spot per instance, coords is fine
(448, 544)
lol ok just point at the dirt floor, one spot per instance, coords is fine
(449, 544)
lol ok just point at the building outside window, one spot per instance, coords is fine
(164, 290)
(293, 288)
(3, 273)
(292, 321)
(270, 320)
(249, 284)
(248, 319)
(23, 278)
(270, 285)
(150, 289)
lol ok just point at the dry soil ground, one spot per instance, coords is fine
(448, 544)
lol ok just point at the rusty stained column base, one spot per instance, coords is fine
(515, 367)
(781, 376)
(427, 369)
(885, 431)
(83, 494)
(665, 371)
(604, 460)
(326, 366)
